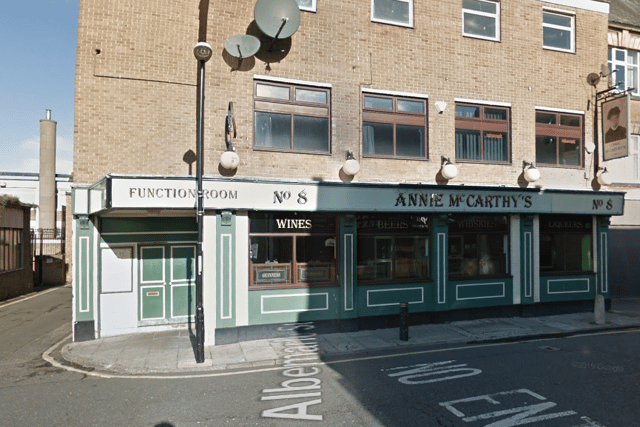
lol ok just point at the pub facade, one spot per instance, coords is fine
(343, 255)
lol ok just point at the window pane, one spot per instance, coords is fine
(482, 6)
(546, 149)
(619, 76)
(410, 106)
(411, 259)
(273, 130)
(391, 10)
(315, 258)
(378, 103)
(495, 114)
(560, 39)
(632, 57)
(619, 55)
(632, 78)
(468, 144)
(271, 259)
(549, 119)
(578, 254)
(496, 147)
(410, 141)
(311, 133)
(569, 151)
(270, 91)
(377, 138)
(307, 95)
(467, 111)
(477, 25)
(570, 121)
(560, 20)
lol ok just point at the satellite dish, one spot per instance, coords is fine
(278, 19)
(593, 79)
(242, 46)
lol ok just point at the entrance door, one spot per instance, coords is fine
(167, 283)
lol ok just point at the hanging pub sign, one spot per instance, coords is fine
(615, 128)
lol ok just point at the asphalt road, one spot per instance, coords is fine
(580, 381)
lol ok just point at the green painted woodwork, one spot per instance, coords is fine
(84, 269)
(602, 239)
(564, 288)
(183, 266)
(347, 241)
(153, 302)
(167, 283)
(273, 304)
(152, 260)
(480, 293)
(225, 269)
(526, 259)
(439, 263)
(150, 238)
(293, 305)
(380, 300)
(148, 225)
(183, 300)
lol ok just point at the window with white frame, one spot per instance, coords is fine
(308, 5)
(481, 19)
(396, 12)
(558, 31)
(625, 64)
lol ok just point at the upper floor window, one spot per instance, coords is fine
(558, 31)
(559, 138)
(625, 62)
(394, 126)
(291, 117)
(397, 12)
(308, 5)
(482, 132)
(481, 19)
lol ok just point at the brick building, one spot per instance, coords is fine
(404, 86)
(624, 49)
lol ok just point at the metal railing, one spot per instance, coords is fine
(48, 241)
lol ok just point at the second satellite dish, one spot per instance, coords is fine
(242, 46)
(278, 19)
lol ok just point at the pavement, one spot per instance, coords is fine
(172, 352)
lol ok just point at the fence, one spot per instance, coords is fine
(48, 241)
(48, 248)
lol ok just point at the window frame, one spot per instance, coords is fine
(394, 227)
(294, 274)
(560, 131)
(545, 270)
(496, 16)
(397, 23)
(483, 125)
(313, 7)
(293, 108)
(395, 117)
(572, 29)
(477, 232)
(614, 63)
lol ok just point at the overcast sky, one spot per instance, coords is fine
(37, 51)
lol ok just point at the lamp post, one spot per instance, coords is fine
(202, 52)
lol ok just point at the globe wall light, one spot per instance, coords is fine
(531, 173)
(351, 165)
(448, 170)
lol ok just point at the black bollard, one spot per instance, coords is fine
(404, 321)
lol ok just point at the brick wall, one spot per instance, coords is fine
(135, 99)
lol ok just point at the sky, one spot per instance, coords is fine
(37, 71)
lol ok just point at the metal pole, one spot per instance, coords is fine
(404, 321)
(199, 215)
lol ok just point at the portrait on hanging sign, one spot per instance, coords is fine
(615, 125)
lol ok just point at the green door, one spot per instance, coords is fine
(167, 283)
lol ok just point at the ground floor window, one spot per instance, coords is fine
(392, 247)
(292, 249)
(478, 246)
(565, 244)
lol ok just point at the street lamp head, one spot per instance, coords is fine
(203, 51)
